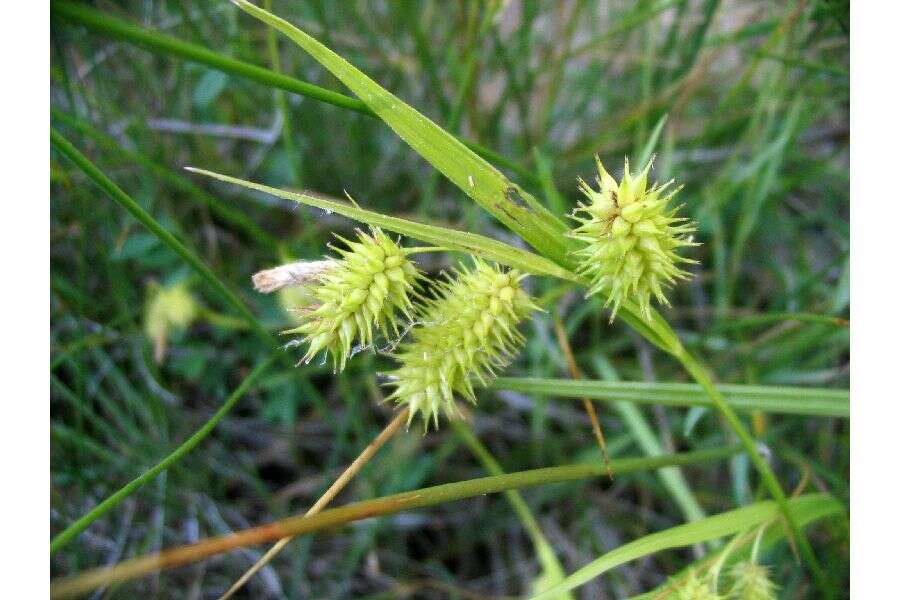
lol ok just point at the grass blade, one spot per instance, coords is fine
(647, 151)
(710, 528)
(70, 532)
(487, 186)
(774, 533)
(462, 241)
(80, 584)
(817, 402)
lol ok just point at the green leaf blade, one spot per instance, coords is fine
(717, 526)
(817, 402)
(462, 241)
(477, 178)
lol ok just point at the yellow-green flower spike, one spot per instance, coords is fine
(467, 329)
(169, 309)
(751, 582)
(631, 237)
(357, 295)
(694, 587)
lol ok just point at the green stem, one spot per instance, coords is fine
(70, 532)
(116, 193)
(167, 45)
(701, 376)
(547, 557)
(292, 526)
(179, 182)
(426, 249)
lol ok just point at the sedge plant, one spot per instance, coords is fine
(446, 336)
(525, 215)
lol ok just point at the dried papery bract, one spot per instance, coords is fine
(631, 237)
(468, 329)
(351, 298)
(295, 274)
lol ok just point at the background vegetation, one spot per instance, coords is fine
(747, 103)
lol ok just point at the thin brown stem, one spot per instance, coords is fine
(575, 372)
(339, 484)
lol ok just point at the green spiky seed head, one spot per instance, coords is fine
(751, 582)
(468, 329)
(694, 587)
(631, 237)
(355, 296)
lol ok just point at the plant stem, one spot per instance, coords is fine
(701, 376)
(70, 532)
(818, 402)
(80, 584)
(575, 372)
(116, 193)
(425, 249)
(546, 556)
(339, 484)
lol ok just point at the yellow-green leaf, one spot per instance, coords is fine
(453, 239)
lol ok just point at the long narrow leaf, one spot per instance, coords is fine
(658, 332)
(771, 399)
(487, 186)
(774, 533)
(442, 236)
(80, 584)
(710, 528)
